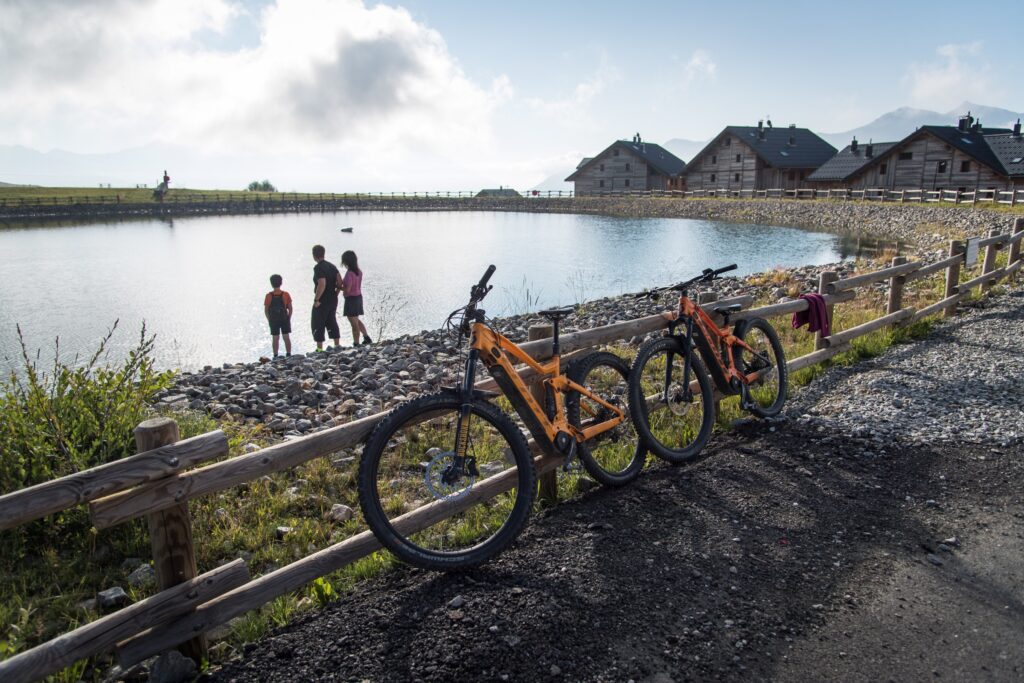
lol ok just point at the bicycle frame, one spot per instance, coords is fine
(710, 339)
(495, 351)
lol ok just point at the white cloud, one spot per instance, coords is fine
(331, 76)
(573, 108)
(700, 66)
(960, 74)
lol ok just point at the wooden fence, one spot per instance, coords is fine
(159, 482)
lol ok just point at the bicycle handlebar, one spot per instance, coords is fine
(489, 272)
(705, 276)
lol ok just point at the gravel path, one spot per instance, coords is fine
(875, 535)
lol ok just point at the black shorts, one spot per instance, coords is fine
(283, 327)
(353, 306)
(325, 316)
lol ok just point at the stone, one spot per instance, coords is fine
(281, 532)
(339, 513)
(112, 597)
(143, 575)
(172, 667)
(456, 602)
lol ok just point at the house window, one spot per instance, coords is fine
(739, 158)
(712, 177)
(941, 167)
(616, 152)
(801, 175)
(602, 168)
(965, 166)
(728, 142)
(736, 177)
(627, 166)
(882, 168)
(714, 158)
(792, 175)
(906, 156)
(601, 183)
(627, 182)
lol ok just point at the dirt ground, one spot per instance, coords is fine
(781, 555)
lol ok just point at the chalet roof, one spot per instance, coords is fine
(584, 162)
(848, 162)
(498, 192)
(774, 148)
(1009, 150)
(656, 156)
(972, 142)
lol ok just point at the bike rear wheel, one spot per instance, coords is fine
(424, 508)
(674, 422)
(768, 393)
(614, 457)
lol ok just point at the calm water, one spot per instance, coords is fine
(198, 283)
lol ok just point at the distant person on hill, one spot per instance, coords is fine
(327, 283)
(277, 306)
(352, 287)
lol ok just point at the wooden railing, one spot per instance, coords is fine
(159, 482)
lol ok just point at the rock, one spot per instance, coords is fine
(172, 667)
(281, 532)
(130, 564)
(339, 513)
(112, 597)
(935, 559)
(456, 602)
(556, 670)
(143, 575)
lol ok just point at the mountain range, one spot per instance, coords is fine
(889, 127)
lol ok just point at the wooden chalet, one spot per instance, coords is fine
(629, 166)
(758, 158)
(963, 157)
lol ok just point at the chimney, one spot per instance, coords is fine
(854, 145)
(869, 151)
(1016, 129)
(760, 129)
(965, 123)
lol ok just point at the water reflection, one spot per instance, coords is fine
(200, 284)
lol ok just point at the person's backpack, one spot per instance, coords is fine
(278, 311)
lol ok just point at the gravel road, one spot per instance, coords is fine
(873, 535)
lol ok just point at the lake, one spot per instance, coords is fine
(198, 283)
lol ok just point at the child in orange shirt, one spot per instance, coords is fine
(277, 306)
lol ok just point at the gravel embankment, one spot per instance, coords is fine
(861, 539)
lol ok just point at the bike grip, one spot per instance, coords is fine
(487, 275)
(725, 269)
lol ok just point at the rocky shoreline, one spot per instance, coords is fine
(296, 395)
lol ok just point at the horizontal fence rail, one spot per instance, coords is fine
(158, 482)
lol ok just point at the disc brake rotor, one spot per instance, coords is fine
(433, 478)
(675, 402)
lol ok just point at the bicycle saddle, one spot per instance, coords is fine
(556, 313)
(731, 308)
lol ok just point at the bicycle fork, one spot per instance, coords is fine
(462, 464)
(687, 395)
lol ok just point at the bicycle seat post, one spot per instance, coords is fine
(554, 336)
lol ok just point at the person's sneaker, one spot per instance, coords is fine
(287, 355)
(366, 341)
(276, 356)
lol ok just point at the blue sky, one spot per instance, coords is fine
(450, 94)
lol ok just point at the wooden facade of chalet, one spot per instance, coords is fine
(964, 157)
(629, 166)
(757, 158)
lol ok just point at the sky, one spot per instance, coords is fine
(336, 95)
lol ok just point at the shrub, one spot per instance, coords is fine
(73, 416)
(261, 186)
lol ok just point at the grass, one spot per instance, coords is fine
(131, 195)
(42, 589)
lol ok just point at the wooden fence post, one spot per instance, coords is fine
(826, 278)
(1014, 255)
(548, 481)
(896, 288)
(170, 530)
(953, 276)
(989, 264)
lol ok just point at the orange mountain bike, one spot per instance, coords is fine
(673, 413)
(463, 464)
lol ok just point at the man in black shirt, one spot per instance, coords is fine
(327, 282)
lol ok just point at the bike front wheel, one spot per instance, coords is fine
(614, 457)
(672, 416)
(435, 510)
(768, 392)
